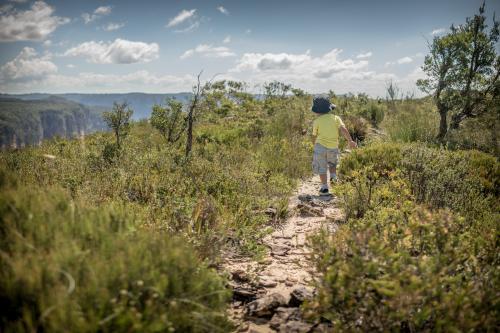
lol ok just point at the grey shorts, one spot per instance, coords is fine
(323, 158)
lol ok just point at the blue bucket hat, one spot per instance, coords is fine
(322, 105)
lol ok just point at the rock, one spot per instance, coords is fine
(243, 327)
(244, 295)
(305, 197)
(271, 211)
(283, 234)
(322, 328)
(299, 295)
(309, 211)
(267, 283)
(265, 306)
(295, 326)
(279, 250)
(282, 315)
(240, 276)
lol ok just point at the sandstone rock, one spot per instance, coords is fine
(244, 294)
(265, 306)
(322, 328)
(299, 295)
(295, 326)
(267, 283)
(282, 315)
(240, 276)
(307, 210)
(279, 250)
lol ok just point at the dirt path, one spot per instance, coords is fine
(267, 294)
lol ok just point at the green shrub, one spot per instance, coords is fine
(461, 180)
(374, 112)
(358, 127)
(412, 123)
(404, 268)
(67, 266)
(420, 249)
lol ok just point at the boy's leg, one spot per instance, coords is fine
(333, 158)
(320, 165)
(323, 179)
(333, 171)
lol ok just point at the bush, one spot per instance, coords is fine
(461, 180)
(420, 249)
(65, 265)
(374, 112)
(407, 269)
(412, 123)
(358, 127)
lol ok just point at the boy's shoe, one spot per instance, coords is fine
(324, 191)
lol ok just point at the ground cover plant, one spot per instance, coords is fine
(419, 251)
(121, 231)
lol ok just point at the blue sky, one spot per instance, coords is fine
(160, 46)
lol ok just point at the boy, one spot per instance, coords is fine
(325, 137)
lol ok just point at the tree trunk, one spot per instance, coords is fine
(189, 142)
(192, 109)
(443, 123)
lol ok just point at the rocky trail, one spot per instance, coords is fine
(267, 294)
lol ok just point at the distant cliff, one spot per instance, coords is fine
(141, 103)
(28, 122)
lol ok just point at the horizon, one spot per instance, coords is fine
(108, 47)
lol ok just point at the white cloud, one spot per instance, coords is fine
(209, 51)
(103, 10)
(113, 26)
(102, 83)
(404, 60)
(33, 24)
(364, 55)
(181, 17)
(27, 65)
(300, 64)
(437, 31)
(70, 66)
(192, 27)
(227, 40)
(118, 52)
(98, 13)
(223, 10)
(47, 43)
(316, 74)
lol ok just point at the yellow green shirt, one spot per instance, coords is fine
(326, 129)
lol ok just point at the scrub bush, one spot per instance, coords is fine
(67, 266)
(420, 249)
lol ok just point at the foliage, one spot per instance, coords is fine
(118, 120)
(412, 122)
(68, 265)
(143, 219)
(463, 68)
(420, 249)
(169, 120)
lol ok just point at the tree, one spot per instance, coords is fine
(169, 120)
(198, 91)
(462, 72)
(276, 89)
(119, 120)
(393, 92)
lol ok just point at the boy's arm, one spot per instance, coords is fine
(314, 134)
(347, 136)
